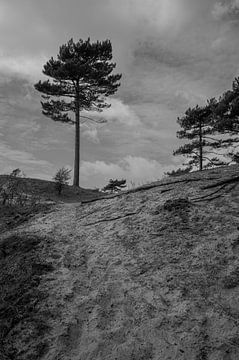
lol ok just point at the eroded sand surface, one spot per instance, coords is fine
(129, 278)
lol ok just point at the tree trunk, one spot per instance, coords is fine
(77, 141)
(200, 146)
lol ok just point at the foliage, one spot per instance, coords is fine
(198, 126)
(81, 80)
(226, 119)
(115, 185)
(226, 110)
(61, 179)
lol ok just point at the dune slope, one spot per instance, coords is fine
(151, 274)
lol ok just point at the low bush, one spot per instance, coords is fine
(61, 179)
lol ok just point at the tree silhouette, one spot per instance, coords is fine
(198, 126)
(226, 114)
(81, 79)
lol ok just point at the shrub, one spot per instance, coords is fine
(115, 185)
(61, 179)
(17, 173)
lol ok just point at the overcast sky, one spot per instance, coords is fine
(172, 54)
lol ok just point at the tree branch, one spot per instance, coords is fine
(96, 121)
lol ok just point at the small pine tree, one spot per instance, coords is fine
(61, 179)
(115, 185)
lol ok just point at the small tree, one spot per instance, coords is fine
(81, 80)
(115, 185)
(61, 179)
(197, 124)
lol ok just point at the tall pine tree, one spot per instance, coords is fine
(81, 79)
(197, 126)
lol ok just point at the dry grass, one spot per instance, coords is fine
(21, 271)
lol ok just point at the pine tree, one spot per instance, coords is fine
(81, 79)
(226, 114)
(197, 125)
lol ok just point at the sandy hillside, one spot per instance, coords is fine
(149, 275)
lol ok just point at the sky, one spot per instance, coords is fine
(172, 54)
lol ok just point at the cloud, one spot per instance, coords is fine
(117, 114)
(135, 169)
(220, 10)
(27, 66)
(160, 14)
(227, 10)
(19, 156)
(91, 134)
(120, 112)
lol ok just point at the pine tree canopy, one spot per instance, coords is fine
(226, 110)
(82, 70)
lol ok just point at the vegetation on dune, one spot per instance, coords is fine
(61, 179)
(115, 185)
